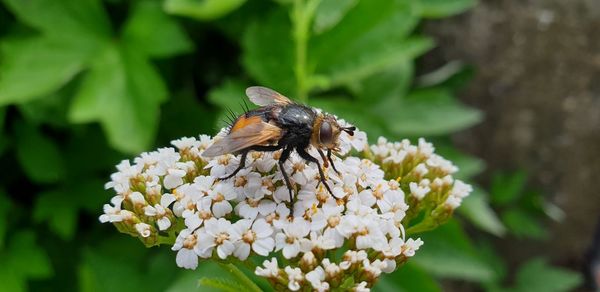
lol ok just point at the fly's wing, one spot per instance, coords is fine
(255, 132)
(263, 96)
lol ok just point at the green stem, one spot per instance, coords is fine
(302, 15)
(425, 225)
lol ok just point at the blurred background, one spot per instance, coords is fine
(508, 90)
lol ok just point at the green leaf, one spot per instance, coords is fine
(448, 253)
(11, 280)
(506, 187)
(453, 75)
(468, 166)
(221, 284)
(269, 52)
(366, 26)
(81, 20)
(59, 209)
(99, 272)
(50, 109)
(240, 277)
(370, 61)
(184, 116)
(23, 260)
(330, 12)
(407, 278)
(5, 206)
(426, 113)
(444, 8)
(202, 9)
(33, 67)
(123, 92)
(537, 275)
(523, 224)
(150, 31)
(26, 258)
(2, 115)
(370, 39)
(229, 95)
(477, 209)
(390, 83)
(38, 155)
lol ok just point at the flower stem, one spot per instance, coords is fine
(302, 15)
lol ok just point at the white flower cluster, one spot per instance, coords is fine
(171, 196)
(425, 172)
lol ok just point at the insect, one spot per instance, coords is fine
(280, 123)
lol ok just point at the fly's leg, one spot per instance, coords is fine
(331, 162)
(263, 148)
(309, 158)
(325, 162)
(284, 156)
(240, 167)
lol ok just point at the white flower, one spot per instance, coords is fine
(280, 217)
(452, 202)
(219, 234)
(221, 195)
(331, 269)
(361, 287)
(160, 213)
(374, 268)
(316, 278)
(392, 201)
(359, 140)
(461, 189)
(317, 241)
(291, 236)
(302, 172)
(185, 245)
(112, 213)
(194, 220)
(174, 178)
(205, 142)
(250, 208)
(271, 269)
(258, 237)
(262, 161)
(160, 161)
(436, 161)
(352, 257)
(143, 229)
(222, 165)
(247, 183)
(329, 215)
(186, 143)
(420, 170)
(411, 246)
(393, 250)
(295, 276)
(425, 148)
(419, 190)
(136, 198)
(395, 156)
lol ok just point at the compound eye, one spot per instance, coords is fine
(325, 133)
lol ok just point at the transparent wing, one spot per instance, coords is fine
(251, 134)
(263, 96)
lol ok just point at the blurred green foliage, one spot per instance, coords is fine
(86, 83)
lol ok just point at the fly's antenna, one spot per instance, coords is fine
(349, 130)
